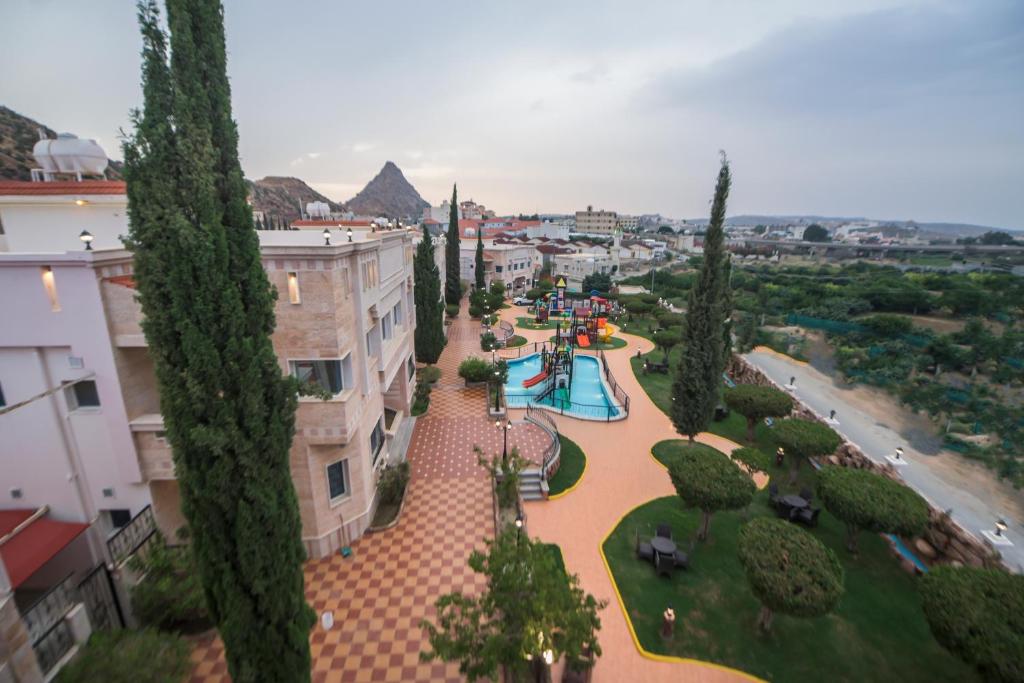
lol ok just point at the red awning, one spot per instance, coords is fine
(34, 545)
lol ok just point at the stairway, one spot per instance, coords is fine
(531, 486)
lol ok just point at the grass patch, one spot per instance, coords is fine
(529, 324)
(659, 389)
(514, 341)
(573, 462)
(878, 632)
(612, 343)
(667, 451)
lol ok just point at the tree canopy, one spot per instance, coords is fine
(601, 282)
(429, 335)
(756, 403)
(865, 500)
(789, 570)
(802, 439)
(699, 374)
(208, 314)
(708, 481)
(452, 257)
(815, 233)
(754, 459)
(529, 606)
(978, 615)
(665, 340)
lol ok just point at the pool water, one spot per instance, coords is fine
(588, 397)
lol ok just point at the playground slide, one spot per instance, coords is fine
(539, 377)
(582, 340)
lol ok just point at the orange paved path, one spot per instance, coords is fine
(621, 474)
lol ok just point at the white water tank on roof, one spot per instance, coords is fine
(69, 154)
(318, 210)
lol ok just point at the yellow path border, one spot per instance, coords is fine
(629, 622)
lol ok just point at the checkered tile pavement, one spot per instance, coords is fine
(379, 595)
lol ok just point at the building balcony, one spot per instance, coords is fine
(330, 422)
(152, 449)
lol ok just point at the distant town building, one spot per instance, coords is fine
(592, 222)
(629, 223)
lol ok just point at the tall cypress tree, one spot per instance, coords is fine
(699, 375)
(726, 310)
(478, 266)
(228, 412)
(429, 335)
(452, 285)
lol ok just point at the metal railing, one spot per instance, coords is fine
(51, 647)
(552, 454)
(506, 330)
(49, 609)
(133, 534)
(548, 401)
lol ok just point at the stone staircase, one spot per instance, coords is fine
(531, 485)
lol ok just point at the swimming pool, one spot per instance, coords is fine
(588, 399)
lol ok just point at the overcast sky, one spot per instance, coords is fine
(884, 108)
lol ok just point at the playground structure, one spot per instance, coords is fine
(556, 373)
(586, 321)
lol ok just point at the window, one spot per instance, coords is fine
(293, 288)
(497, 269)
(329, 374)
(82, 395)
(370, 274)
(386, 327)
(337, 480)
(377, 439)
(119, 518)
(396, 313)
(51, 287)
(4, 403)
(412, 367)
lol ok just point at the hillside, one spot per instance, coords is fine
(280, 197)
(388, 194)
(18, 134)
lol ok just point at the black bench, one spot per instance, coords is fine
(656, 367)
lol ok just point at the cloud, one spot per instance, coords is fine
(313, 155)
(590, 75)
(865, 62)
(297, 162)
(414, 154)
(361, 147)
(428, 172)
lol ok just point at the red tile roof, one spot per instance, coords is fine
(123, 280)
(25, 552)
(62, 187)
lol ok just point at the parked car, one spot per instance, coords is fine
(521, 301)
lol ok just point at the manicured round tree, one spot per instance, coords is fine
(754, 459)
(709, 481)
(864, 500)
(665, 340)
(802, 439)
(978, 615)
(756, 403)
(790, 571)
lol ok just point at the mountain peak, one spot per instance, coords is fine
(389, 194)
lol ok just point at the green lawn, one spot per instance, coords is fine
(659, 388)
(611, 344)
(878, 632)
(528, 323)
(573, 462)
(514, 341)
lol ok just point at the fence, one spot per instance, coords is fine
(133, 534)
(552, 454)
(505, 330)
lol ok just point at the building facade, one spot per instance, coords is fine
(597, 222)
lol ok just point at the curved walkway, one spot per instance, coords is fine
(621, 474)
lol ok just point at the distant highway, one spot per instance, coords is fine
(882, 248)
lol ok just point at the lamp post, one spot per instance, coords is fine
(86, 238)
(349, 233)
(519, 525)
(1000, 527)
(327, 237)
(505, 429)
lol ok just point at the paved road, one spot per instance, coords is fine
(971, 510)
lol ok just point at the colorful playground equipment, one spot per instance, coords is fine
(556, 372)
(586, 321)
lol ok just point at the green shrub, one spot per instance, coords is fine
(475, 369)
(537, 293)
(488, 341)
(146, 656)
(392, 482)
(452, 310)
(429, 374)
(170, 595)
(475, 311)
